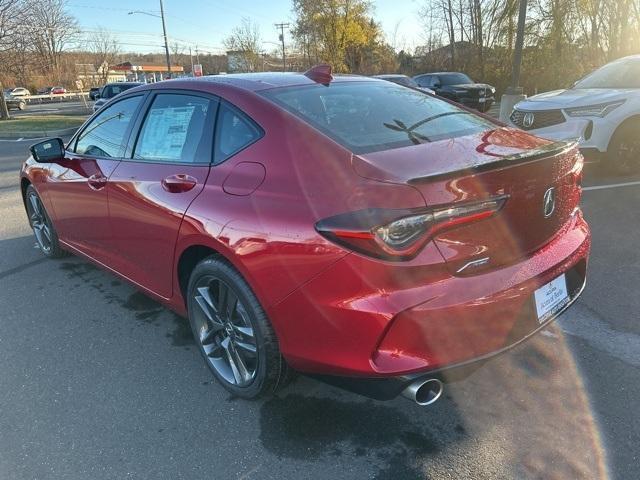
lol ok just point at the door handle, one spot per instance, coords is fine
(97, 181)
(179, 183)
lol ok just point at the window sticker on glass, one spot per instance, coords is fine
(165, 134)
(173, 126)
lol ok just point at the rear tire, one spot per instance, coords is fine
(232, 331)
(42, 226)
(623, 154)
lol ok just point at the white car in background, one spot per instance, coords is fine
(19, 92)
(601, 111)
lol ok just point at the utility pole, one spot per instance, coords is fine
(164, 33)
(191, 58)
(166, 44)
(282, 26)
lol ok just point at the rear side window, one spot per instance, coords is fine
(372, 116)
(174, 130)
(104, 136)
(234, 131)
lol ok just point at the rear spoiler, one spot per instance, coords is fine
(550, 150)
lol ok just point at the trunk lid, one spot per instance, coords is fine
(498, 162)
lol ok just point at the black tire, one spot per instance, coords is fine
(623, 154)
(22, 106)
(226, 338)
(42, 226)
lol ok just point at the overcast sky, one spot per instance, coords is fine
(205, 23)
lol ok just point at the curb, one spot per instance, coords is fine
(38, 134)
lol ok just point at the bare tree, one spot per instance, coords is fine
(10, 18)
(104, 49)
(51, 29)
(245, 42)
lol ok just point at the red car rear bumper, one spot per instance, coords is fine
(373, 319)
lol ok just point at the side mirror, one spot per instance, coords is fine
(48, 151)
(437, 85)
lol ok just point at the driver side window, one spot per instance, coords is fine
(104, 136)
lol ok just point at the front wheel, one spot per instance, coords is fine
(45, 233)
(624, 149)
(233, 332)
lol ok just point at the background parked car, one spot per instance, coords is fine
(460, 88)
(600, 111)
(19, 92)
(404, 80)
(93, 93)
(15, 103)
(110, 90)
(58, 91)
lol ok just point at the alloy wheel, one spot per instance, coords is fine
(627, 154)
(224, 331)
(39, 222)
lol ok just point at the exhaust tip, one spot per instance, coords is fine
(424, 392)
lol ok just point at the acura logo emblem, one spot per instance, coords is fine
(528, 120)
(549, 202)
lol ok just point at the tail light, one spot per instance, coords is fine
(401, 234)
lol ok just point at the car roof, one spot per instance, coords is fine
(135, 84)
(391, 75)
(263, 81)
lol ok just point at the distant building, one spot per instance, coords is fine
(90, 76)
(147, 72)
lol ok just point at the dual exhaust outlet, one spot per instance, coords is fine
(424, 391)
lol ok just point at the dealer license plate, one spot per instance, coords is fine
(551, 298)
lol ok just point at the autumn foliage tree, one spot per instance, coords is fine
(342, 33)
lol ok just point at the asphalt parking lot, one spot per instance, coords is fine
(100, 382)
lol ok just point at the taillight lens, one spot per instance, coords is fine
(401, 234)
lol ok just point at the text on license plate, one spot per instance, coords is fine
(551, 298)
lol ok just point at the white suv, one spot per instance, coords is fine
(601, 111)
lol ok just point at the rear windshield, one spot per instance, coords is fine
(373, 116)
(110, 91)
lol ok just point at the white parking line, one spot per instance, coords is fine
(611, 185)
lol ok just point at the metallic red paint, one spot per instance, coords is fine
(334, 311)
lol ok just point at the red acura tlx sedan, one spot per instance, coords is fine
(349, 228)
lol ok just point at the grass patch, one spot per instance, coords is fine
(40, 123)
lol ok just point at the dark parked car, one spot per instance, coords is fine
(404, 80)
(459, 88)
(348, 228)
(110, 90)
(15, 103)
(94, 92)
